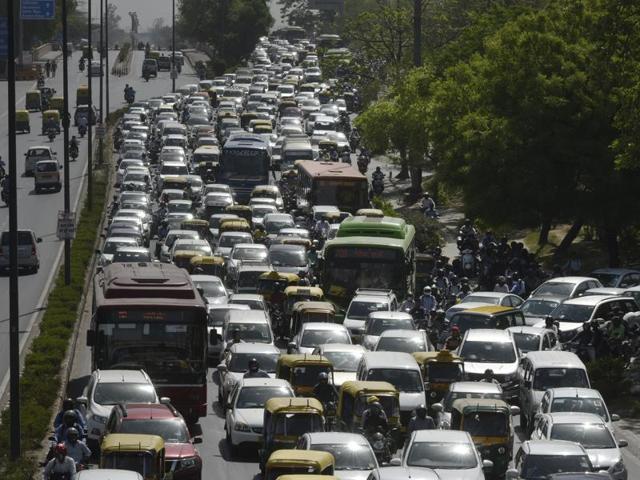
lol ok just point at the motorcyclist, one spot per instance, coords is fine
(377, 176)
(303, 280)
(69, 420)
(6, 189)
(616, 330)
(68, 404)
(467, 229)
(81, 64)
(60, 466)
(420, 421)
(322, 228)
(73, 146)
(3, 171)
(441, 281)
(465, 288)
(76, 448)
(255, 371)
(323, 390)
(453, 341)
(427, 301)
(501, 285)
(428, 206)
(518, 288)
(82, 123)
(374, 417)
(489, 377)
(409, 304)
(550, 323)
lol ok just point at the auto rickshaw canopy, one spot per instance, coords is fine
(369, 212)
(234, 225)
(293, 405)
(441, 356)
(293, 360)
(307, 292)
(472, 405)
(357, 387)
(131, 442)
(314, 306)
(315, 459)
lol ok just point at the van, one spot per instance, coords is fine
(28, 258)
(295, 150)
(540, 371)
(253, 326)
(150, 67)
(399, 369)
(47, 175)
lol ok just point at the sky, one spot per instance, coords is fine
(148, 11)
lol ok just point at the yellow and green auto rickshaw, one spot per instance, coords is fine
(439, 371)
(242, 211)
(246, 118)
(297, 294)
(33, 101)
(50, 119)
(82, 95)
(298, 463)
(22, 121)
(207, 265)
(270, 282)
(144, 454)
(285, 419)
(302, 370)
(490, 424)
(57, 103)
(352, 402)
(234, 225)
(197, 225)
(309, 311)
(182, 258)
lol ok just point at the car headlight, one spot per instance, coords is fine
(618, 467)
(501, 450)
(99, 419)
(188, 462)
(241, 427)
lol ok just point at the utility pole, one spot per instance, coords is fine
(100, 143)
(65, 124)
(106, 56)
(14, 314)
(174, 70)
(417, 33)
(91, 116)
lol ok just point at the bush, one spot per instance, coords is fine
(607, 376)
(428, 231)
(124, 51)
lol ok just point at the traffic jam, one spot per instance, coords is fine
(242, 246)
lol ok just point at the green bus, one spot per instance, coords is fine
(369, 252)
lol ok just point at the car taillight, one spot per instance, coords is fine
(33, 250)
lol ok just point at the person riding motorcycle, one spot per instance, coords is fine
(76, 448)
(550, 323)
(409, 304)
(441, 281)
(303, 280)
(69, 420)
(81, 64)
(427, 301)
(6, 190)
(321, 228)
(68, 404)
(73, 147)
(420, 421)
(82, 124)
(489, 377)
(374, 417)
(129, 93)
(377, 175)
(3, 171)
(428, 206)
(467, 229)
(616, 330)
(453, 341)
(324, 391)
(255, 371)
(501, 285)
(61, 466)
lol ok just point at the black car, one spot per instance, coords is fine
(164, 63)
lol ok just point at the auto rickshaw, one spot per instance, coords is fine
(302, 370)
(82, 95)
(425, 265)
(56, 103)
(175, 183)
(33, 101)
(234, 225)
(246, 118)
(200, 226)
(304, 312)
(182, 258)
(489, 422)
(303, 242)
(50, 119)
(352, 402)
(242, 211)
(286, 104)
(144, 454)
(297, 294)
(22, 121)
(325, 147)
(285, 419)
(207, 265)
(268, 283)
(298, 463)
(439, 370)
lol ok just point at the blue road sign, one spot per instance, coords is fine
(37, 9)
(4, 37)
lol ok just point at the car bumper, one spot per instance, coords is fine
(254, 436)
(23, 262)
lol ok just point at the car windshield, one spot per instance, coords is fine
(401, 344)
(274, 226)
(546, 378)
(481, 299)
(115, 393)
(350, 456)
(488, 352)
(260, 212)
(487, 424)
(538, 308)
(240, 361)
(557, 289)
(288, 258)
(573, 313)
(217, 316)
(256, 397)
(179, 207)
(581, 405)
(112, 246)
(250, 332)
(452, 456)
(405, 380)
(297, 424)
(607, 279)
(589, 435)
(210, 288)
(344, 361)
(171, 430)
(228, 241)
(453, 396)
(539, 467)
(250, 254)
(128, 256)
(313, 338)
(527, 342)
(375, 326)
(444, 372)
(361, 310)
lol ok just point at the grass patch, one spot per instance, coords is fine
(40, 380)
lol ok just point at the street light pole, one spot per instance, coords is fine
(106, 56)
(65, 124)
(174, 71)
(14, 314)
(89, 123)
(100, 154)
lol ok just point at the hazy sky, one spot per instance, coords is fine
(148, 11)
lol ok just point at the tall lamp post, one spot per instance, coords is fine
(66, 119)
(174, 71)
(91, 116)
(101, 47)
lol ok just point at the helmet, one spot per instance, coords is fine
(421, 411)
(426, 195)
(67, 404)
(488, 372)
(69, 416)
(253, 364)
(323, 376)
(372, 399)
(426, 289)
(455, 328)
(72, 432)
(467, 221)
(60, 449)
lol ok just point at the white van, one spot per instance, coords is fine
(540, 371)
(400, 370)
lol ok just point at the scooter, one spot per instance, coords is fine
(81, 65)
(51, 133)
(468, 263)
(377, 186)
(82, 130)
(73, 152)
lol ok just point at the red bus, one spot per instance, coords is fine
(150, 316)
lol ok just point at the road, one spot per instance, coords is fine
(39, 212)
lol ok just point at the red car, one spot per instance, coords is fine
(181, 456)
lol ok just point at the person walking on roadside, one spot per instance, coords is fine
(47, 68)
(54, 67)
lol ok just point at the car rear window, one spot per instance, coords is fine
(24, 238)
(46, 167)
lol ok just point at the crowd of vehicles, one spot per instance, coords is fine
(240, 232)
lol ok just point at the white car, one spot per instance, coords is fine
(245, 413)
(482, 299)
(450, 453)
(378, 322)
(533, 339)
(344, 358)
(227, 240)
(217, 314)
(584, 400)
(363, 303)
(313, 334)
(211, 288)
(253, 253)
(172, 236)
(407, 341)
(111, 245)
(107, 388)
(252, 300)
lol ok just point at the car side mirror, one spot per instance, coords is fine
(91, 338)
(615, 417)
(196, 440)
(395, 462)
(291, 346)
(487, 464)
(515, 410)
(38, 240)
(165, 400)
(222, 368)
(60, 167)
(437, 407)
(623, 443)
(511, 474)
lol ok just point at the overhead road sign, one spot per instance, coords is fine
(4, 37)
(37, 9)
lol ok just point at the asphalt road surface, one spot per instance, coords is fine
(39, 212)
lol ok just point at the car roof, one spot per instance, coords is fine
(205, 278)
(552, 447)
(254, 348)
(108, 474)
(589, 300)
(390, 315)
(130, 240)
(341, 347)
(574, 417)
(140, 411)
(122, 376)
(617, 271)
(250, 316)
(447, 436)
(322, 438)
(550, 358)
(570, 279)
(528, 330)
(488, 335)
(482, 293)
(265, 382)
(246, 296)
(392, 360)
(228, 306)
(323, 326)
(573, 392)
(401, 333)
(475, 387)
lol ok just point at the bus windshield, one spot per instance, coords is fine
(249, 162)
(351, 194)
(364, 267)
(167, 344)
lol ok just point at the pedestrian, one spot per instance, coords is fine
(47, 68)
(54, 67)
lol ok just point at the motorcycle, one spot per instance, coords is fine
(377, 185)
(130, 97)
(82, 130)
(51, 133)
(81, 65)
(468, 263)
(381, 446)
(73, 152)
(362, 167)
(146, 76)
